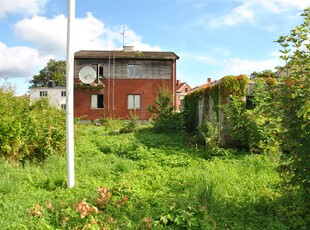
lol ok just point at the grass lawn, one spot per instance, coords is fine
(143, 180)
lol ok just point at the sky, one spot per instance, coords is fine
(213, 38)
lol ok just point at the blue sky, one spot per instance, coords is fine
(213, 38)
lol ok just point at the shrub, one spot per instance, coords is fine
(256, 129)
(132, 125)
(29, 132)
(166, 121)
(170, 124)
(163, 104)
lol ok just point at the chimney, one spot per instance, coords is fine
(127, 48)
(178, 82)
(209, 80)
(51, 84)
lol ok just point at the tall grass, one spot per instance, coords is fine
(146, 181)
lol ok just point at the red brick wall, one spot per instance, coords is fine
(122, 87)
(82, 104)
(116, 107)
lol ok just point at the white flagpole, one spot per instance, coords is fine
(70, 91)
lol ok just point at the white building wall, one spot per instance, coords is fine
(54, 95)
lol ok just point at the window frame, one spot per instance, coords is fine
(135, 102)
(43, 93)
(94, 99)
(63, 107)
(134, 70)
(100, 70)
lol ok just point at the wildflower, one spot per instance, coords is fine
(84, 208)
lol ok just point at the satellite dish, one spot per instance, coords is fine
(87, 75)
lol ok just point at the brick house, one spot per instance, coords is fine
(125, 81)
(182, 89)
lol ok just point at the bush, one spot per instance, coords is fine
(29, 132)
(170, 124)
(132, 125)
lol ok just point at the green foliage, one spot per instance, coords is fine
(29, 132)
(211, 135)
(163, 104)
(257, 129)
(295, 100)
(166, 121)
(191, 111)
(219, 94)
(263, 74)
(54, 70)
(171, 124)
(146, 180)
(131, 125)
(233, 85)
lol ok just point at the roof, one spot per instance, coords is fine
(181, 85)
(46, 87)
(125, 54)
(215, 82)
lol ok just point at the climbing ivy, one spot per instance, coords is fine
(218, 93)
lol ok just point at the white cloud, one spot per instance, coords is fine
(242, 13)
(25, 7)
(236, 66)
(248, 9)
(48, 35)
(278, 6)
(20, 61)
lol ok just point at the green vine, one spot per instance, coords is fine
(233, 85)
(229, 85)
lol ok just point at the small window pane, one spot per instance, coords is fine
(100, 70)
(131, 71)
(100, 101)
(137, 101)
(130, 101)
(137, 70)
(94, 101)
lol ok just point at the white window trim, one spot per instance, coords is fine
(94, 101)
(134, 101)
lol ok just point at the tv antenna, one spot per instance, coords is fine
(123, 33)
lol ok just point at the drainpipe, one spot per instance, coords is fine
(173, 83)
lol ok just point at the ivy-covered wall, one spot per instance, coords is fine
(207, 102)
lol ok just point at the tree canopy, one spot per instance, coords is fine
(54, 70)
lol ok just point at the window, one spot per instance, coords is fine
(186, 90)
(134, 71)
(63, 106)
(97, 101)
(43, 93)
(134, 101)
(63, 93)
(100, 70)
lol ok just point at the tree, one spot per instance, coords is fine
(54, 70)
(263, 74)
(295, 99)
(164, 106)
